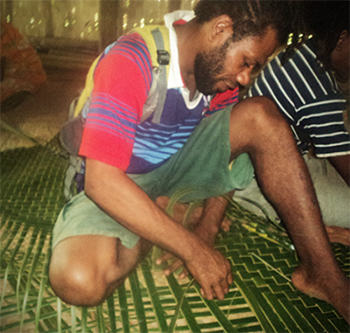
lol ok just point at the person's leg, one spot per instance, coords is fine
(256, 127)
(332, 192)
(200, 169)
(85, 270)
(259, 205)
(333, 196)
(92, 253)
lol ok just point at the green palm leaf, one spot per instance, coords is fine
(261, 298)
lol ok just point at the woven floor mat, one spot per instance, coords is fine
(262, 298)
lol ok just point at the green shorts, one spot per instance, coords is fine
(199, 170)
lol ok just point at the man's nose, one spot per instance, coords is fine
(243, 78)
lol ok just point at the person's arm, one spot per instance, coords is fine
(342, 165)
(207, 228)
(114, 192)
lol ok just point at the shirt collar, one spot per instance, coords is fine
(175, 79)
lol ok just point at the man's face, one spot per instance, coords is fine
(227, 66)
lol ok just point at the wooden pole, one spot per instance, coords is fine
(108, 22)
(49, 29)
(8, 10)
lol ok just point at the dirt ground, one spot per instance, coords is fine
(41, 115)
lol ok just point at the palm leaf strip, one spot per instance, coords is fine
(59, 315)
(253, 303)
(73, 316)
(24, 264)
(84, 314)
(8, 225)
(111, 313)
(292, 318)
(14, 230)
(153, 292)
(219, 315)
(100, 319)
(37, 254)
(11, 260)
(43, 282)
(123, 305)
(185, 307)
(137, 297)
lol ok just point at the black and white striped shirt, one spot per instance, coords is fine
(309, 99)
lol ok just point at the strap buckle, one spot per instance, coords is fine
(163, 57)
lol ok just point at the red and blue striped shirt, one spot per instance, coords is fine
(114, 134)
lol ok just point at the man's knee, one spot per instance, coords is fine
(260, 113)
(82, 282)
(77, 285)
(257, 121)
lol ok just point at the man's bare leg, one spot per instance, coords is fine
(257, 128)
(85, 270)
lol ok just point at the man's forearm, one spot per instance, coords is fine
(116, 194)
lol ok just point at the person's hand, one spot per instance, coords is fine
(212, 271)
(176, 263)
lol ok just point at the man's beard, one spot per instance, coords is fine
(207, 66)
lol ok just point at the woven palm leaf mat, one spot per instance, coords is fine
(262, 299)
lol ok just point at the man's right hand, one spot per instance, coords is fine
(212, 271)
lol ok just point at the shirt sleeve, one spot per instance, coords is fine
(122, 80)
(323, 121)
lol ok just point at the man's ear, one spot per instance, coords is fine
(343, 38)
(220, 28)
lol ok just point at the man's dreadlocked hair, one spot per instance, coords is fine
(253, 17)
(326, 20)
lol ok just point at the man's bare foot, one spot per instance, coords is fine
(332, 287)
(338, 235)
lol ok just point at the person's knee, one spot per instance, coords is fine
(77, 285)
(257, 121)
(261, 113)
(82, 283)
